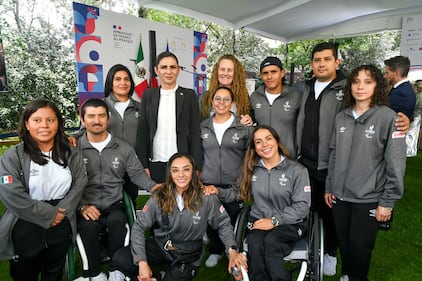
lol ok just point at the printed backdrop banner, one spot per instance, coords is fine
(104, 38)
(411, 41)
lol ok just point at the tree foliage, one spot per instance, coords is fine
(39, 63)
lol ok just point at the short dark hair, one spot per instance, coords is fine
(93, 103)
(108, 86)
(326, 46)
(166, 55)
(400, 63)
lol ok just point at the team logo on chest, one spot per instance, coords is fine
(235, 138)
(205, 135)
(115, 163)
(342, 130)
(283, 180)
(196, 218)
(287, 106)
(34, 173)
(339, 95)
(369, 133)
(254, 178)
(258, 106)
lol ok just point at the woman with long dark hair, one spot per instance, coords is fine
(42, 181)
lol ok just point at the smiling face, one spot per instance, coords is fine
(324, 65)
(363, 87)
(266, 145)
(181, 171)
(95, 120)
(121, 85)
(225, 72)
(222, 102)
(43, 125)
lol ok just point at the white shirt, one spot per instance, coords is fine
(121, 107)
(319, 87)
(271, 97)
(50, 181)
(220, 128)
(100, 145)
(400, 82)
(165, 139)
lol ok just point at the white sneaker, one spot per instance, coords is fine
(116, 276)
(81, 279)
(205, 239)
(330, 264)
(344, 278)
(212, 260)
(99, 277)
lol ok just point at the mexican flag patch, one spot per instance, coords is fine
(6, 179)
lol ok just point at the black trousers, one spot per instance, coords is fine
(123, 261)
(216, 246)
(112, 225)
(266, 250)
(317, 179)
(356, 230)
(39, 250)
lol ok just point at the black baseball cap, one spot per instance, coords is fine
(270, 61)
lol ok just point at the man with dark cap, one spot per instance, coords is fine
(275, 104)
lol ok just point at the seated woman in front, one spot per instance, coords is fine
(182, 213)
(281, 194)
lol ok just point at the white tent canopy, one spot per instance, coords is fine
(290, 20)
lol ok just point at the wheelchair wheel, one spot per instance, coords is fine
(240, 227)
(316, 248)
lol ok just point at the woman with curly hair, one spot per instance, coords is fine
(181, 212)
(228, 72)
(366, 168)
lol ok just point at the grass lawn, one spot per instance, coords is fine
(396, 256)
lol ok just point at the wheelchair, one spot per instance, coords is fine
(307, 252)
(70, 264)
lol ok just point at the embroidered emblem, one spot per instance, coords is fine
(287, 106)
(34, 173)
(196, 218)
(205, 135)
(115, 163)
(340, 95)
(369, 133)
(254, 178)
(235, 138)
(307, 188)
(342, 129)
(222, 209)
(283, 180)
(398, 135)
(258, 106)
(6, 179)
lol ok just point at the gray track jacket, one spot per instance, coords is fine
(125, 128)
(281, 115)
(106, 170)
(19, 205)
(183, 225)
(368, 158)
(330, 106)
(284, 192)
(222, 163)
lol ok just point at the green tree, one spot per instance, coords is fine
(39, 62)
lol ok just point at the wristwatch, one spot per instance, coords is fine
(275, 221)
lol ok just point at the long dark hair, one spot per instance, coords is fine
(61, 148)
(108, 86)
(251, 158)
(165, 196)
(380, 96)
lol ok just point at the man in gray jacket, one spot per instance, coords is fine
(275, 104)
(107, 159)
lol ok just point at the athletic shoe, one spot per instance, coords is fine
(330, 264)
(344, 278)
(116, 276)
(99, 277)
(212, 260)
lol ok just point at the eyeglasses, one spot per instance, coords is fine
(220, 99)
(186, 170)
